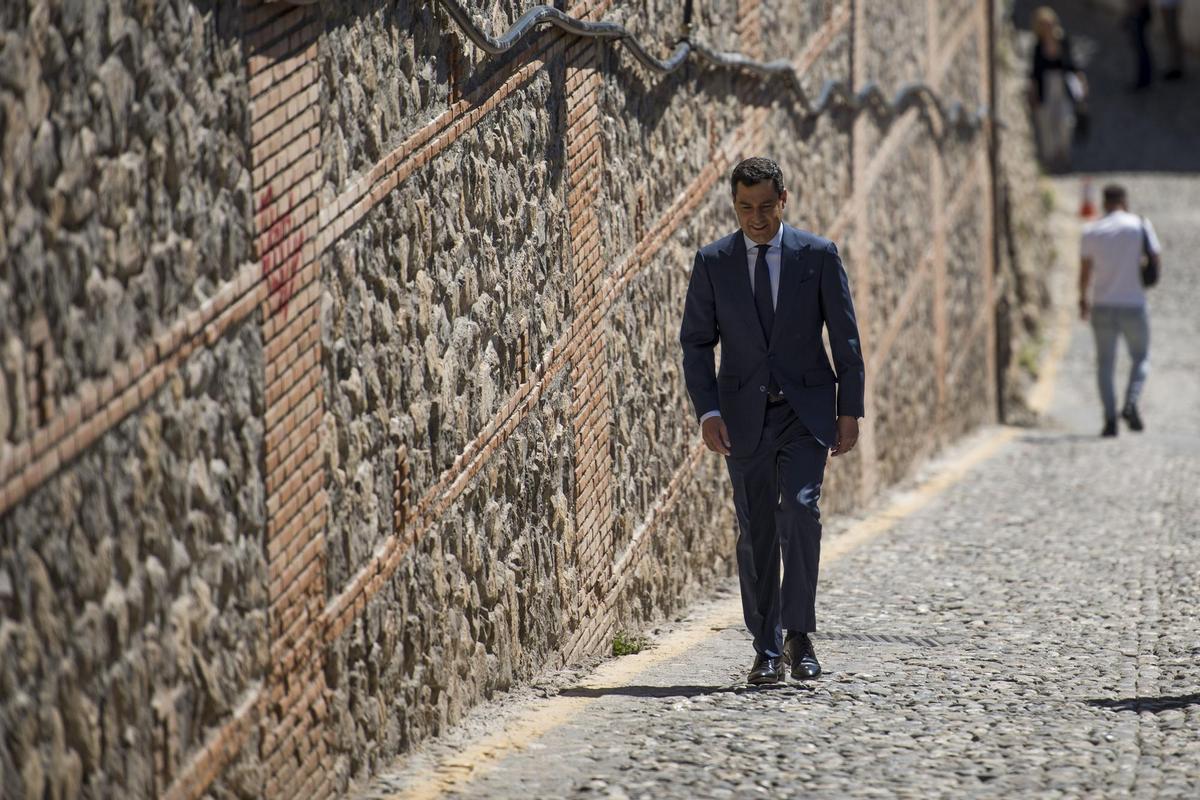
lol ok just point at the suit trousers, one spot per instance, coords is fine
(775, 494)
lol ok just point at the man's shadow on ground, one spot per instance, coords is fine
(684, 691)
(1153, 705)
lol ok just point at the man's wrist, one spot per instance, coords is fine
(710, 415)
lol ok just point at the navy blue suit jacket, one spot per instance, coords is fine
(814, 293)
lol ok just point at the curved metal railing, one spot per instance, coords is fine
(834, 93)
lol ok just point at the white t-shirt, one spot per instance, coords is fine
(1114, 245)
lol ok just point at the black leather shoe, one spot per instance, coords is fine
(1110, 428)
(766, 669)
(1132, 418)
(799, 652)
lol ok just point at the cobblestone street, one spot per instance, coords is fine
(1029, 630)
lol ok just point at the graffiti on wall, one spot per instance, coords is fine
(280, 246)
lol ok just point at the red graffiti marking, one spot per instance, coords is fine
(280, 247)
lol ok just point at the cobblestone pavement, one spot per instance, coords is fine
(1031, 632)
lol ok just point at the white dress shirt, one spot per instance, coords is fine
(774, 259)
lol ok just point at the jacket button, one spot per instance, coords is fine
(762, 388)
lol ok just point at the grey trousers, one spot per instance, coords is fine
(775, 494)
(1108, 324)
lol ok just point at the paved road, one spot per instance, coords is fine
(1032, 631)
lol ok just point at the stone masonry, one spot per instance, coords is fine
(339, 375)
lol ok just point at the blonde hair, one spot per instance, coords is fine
(1045, 16)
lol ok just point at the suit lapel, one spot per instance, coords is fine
(791, 270)
(738, 282)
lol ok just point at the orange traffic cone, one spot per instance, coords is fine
(1087, 201)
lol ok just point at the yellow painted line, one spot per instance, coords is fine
(544, 715)
(1042, 393)
(541, 717)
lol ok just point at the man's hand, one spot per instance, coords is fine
(716, 435)
(1084, 308)
(847, 435)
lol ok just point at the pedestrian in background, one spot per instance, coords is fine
(1057, 86)
(776, 407)
(1111, 293)
(1170, 18)
(1137, 20)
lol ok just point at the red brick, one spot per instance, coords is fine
(287, 607)
(305, 298)
(304, 526)
(303, 494)
(301, 330)
(286, 537)
(277, 499)
(302, 365)
(284, 77)
(302, 443)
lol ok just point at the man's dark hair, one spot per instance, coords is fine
(754, 171)
(1115, 195)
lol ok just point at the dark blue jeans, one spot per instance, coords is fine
(775, 494)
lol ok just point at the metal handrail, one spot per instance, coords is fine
(834, 93)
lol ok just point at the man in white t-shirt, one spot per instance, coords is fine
(1111, 294)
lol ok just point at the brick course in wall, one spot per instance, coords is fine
(285, 89)
(638, 522)
(591, 405)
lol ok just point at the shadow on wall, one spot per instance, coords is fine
(648, 101)
(362, 76)
(1153, 130)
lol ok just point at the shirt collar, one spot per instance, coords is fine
(776, 240)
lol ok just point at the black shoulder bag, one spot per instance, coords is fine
(1149, 265)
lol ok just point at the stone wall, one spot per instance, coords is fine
(132, 568)
(136, 588)
(1024, 244)
(341, 381)
(125, 197)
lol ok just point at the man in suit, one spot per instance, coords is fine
(775, 408)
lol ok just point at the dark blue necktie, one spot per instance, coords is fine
(762, 293)
(766, 308)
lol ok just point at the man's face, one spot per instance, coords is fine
(759, 210)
